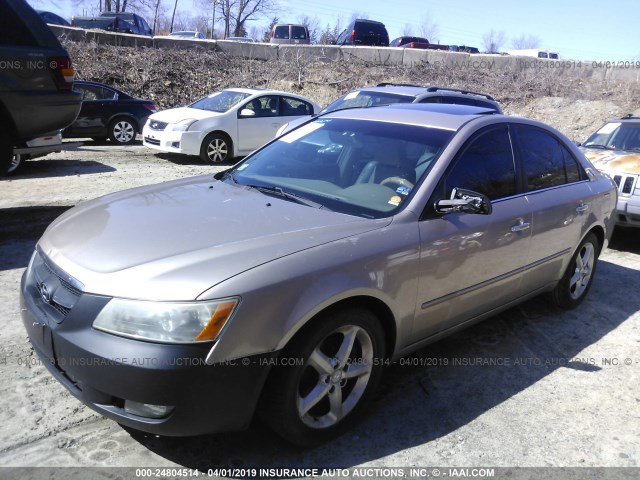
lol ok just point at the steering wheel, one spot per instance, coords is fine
(398, 181)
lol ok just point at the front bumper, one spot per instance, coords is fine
(187, 143)
(103, 371)
(628, 208)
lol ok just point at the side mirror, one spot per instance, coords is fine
(465, 201)
(247, 112)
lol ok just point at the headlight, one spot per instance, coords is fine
(182, 125)
(166, 322)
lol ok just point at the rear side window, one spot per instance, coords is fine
(292, 106)
(485, 165)
(546, 162)
(13, 30)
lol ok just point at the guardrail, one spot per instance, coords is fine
(610, 71)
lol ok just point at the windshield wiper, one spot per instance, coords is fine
(597, 145)
(279, 192)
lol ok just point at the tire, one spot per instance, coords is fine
(577, 279)
(216, 148)
(122, 131)
(6, 153)
(17, 160)
(314, 402)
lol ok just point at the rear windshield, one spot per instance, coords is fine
(13, 30)
(360, 98)
(282, 33)
(298, 32)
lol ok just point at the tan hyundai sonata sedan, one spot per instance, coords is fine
(283, 286)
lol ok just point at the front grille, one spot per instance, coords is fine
(56, 288)
(156, 125)
(625, 183)
(152, 141)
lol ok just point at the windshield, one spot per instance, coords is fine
(220, 101)
(358, 167)
(366, 99)
(616, 136)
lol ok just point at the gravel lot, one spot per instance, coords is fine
(532, 387)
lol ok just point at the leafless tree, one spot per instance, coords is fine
(493, 41)
(525, 41)
(313, 26)
(429, 28)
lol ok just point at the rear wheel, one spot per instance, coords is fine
(16, 162)
(122, 131)
(216, 148)
(6, 154)
(330, 373)
(577, 279)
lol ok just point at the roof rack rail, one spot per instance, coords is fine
(630, 115)
(393, 84)
(466, 92)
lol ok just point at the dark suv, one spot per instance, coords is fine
(390, 93)
(36, 80)
(364, 32)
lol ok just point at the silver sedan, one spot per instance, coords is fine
(284, 285)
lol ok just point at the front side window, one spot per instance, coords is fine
(485, 165)
(546, 162)
(220, 102)
(266, 106)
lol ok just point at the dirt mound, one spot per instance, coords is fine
(173, 77)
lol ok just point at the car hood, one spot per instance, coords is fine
(175, 115)
(613, 161)
(173, 241)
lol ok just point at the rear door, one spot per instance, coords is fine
(561, 200)
(97, 105)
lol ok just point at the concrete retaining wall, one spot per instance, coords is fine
(627, 71)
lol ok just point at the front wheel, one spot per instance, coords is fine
(215, 148)
(122, 131)
(331, 371)
(577, 279)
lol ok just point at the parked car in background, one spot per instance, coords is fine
(364, 32)
(107, 112)
(284, 285)
(122, 22)
(52, 18)
(615, 149)
(225, 124)
(239, 39)
(288, 33)
(36, 79)
(390, 93)
(416, 42)
(187, 34)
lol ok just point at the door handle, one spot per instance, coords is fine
(277, 124)
(583, 207)
(521, 226)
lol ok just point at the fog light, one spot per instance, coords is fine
(175, 144)
(147, 410)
